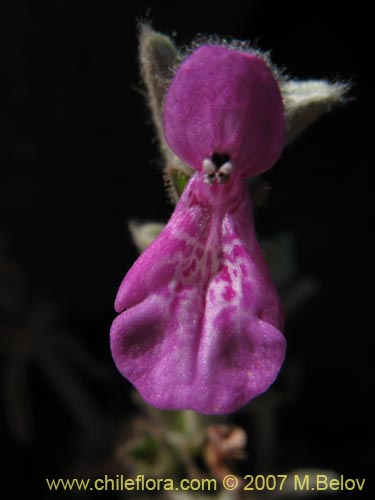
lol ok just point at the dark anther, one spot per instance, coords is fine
(219, 159)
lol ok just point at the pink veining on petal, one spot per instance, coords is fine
(228, 293)
(195, 343)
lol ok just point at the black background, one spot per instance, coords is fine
(78, 159)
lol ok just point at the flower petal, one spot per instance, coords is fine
(225, 101)
(202, 326)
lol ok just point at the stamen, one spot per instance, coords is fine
(227, 168)
(217, 168)
(208, 166)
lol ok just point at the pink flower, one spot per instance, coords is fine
(200, 318)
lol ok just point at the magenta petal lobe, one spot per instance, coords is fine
(225, 101)
(202, 330)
